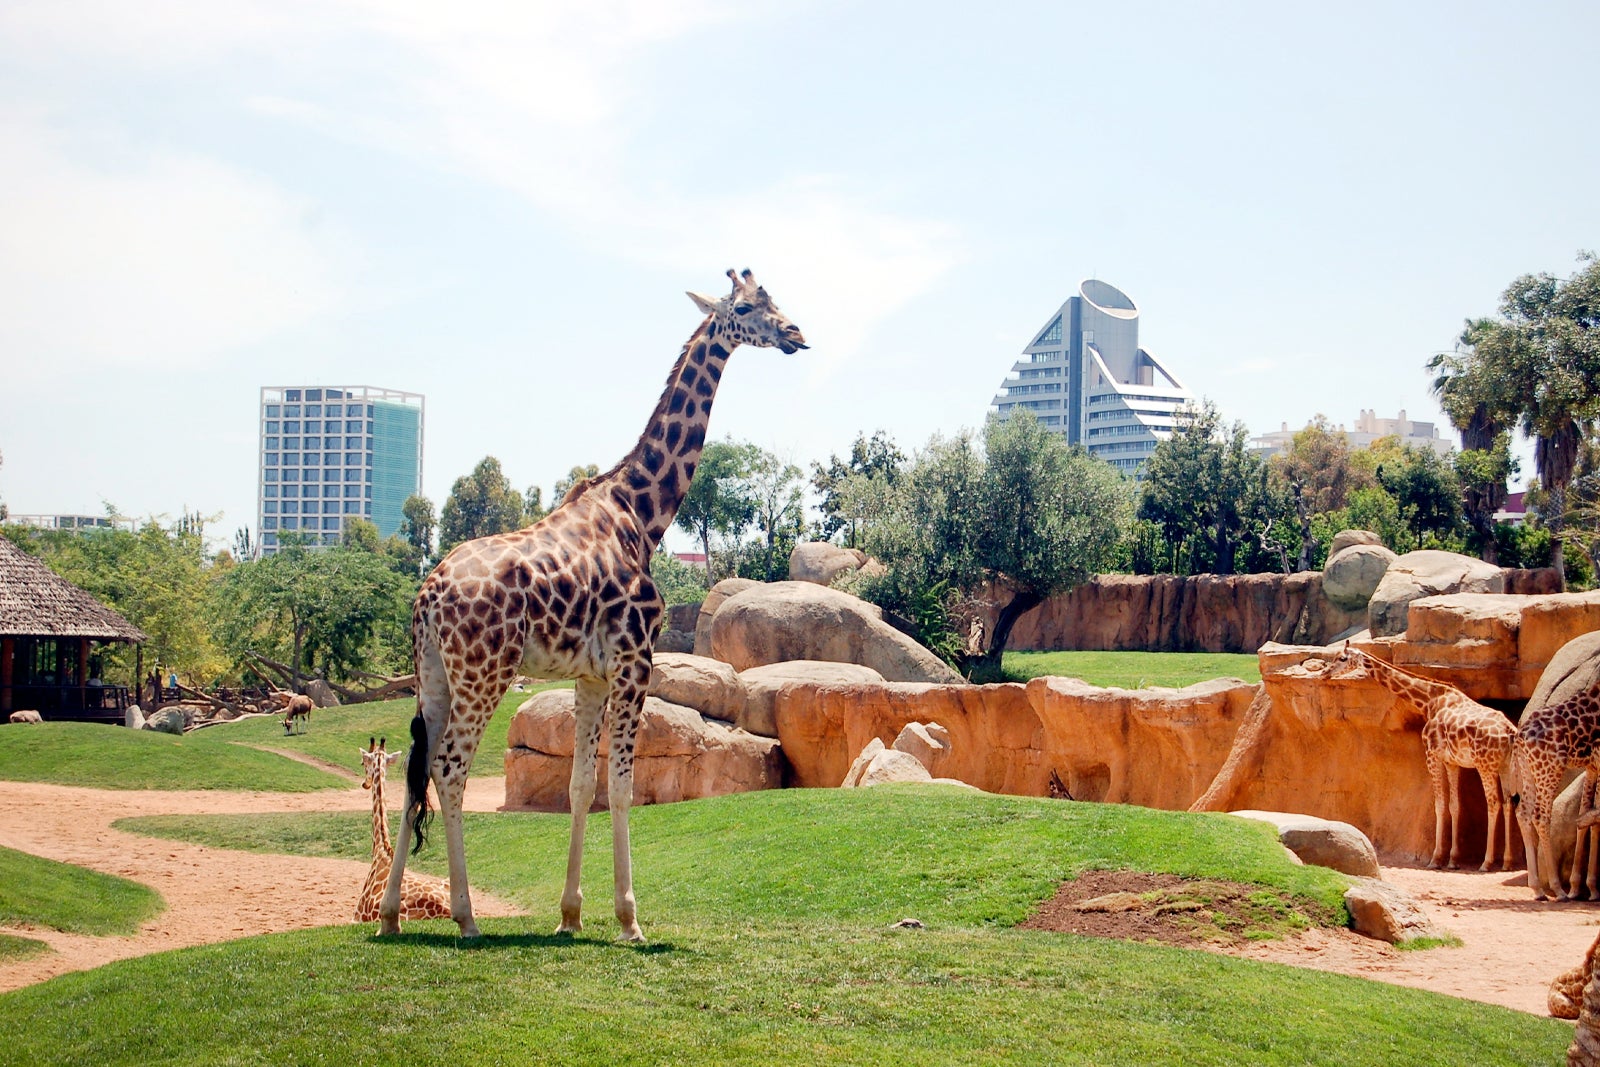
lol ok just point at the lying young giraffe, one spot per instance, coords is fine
(569, 597)
(1457, 732)
(420, 898)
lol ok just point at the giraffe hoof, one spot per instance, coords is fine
(386, 927)
(567, 929)
(634, 936)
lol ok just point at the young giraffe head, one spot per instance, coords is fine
(375, 761)
(747, 316)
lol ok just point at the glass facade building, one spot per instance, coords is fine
(1085, 377)
(331, 454)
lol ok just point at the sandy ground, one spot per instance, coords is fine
(211, 894)
(1512, 945)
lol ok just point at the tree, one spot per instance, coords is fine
(362, 536)
(718, 501)
(480, 504)
(1318, 462)
(1538, 366)
(775, 487)
(417, 526)
(1466, 390)
(1024, 516)
(318, 611)
(875, 459)
(1427, 489)
(1200, 485)
(570, 482)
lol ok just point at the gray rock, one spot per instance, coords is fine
(133, 718)
(891, 766)
(852, 777)
(1426, 573)
(928, 742)
(797, 620)
(1352, 576)
(1387, 913)
(820, 562)
(1324, 842)
(167, 721)
(1345, 538)
(674, 641)
(1574, 669)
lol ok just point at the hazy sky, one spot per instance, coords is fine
(500, 206)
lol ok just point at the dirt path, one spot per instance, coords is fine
(211, 894)
(1512, 945)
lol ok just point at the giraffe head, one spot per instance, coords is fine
(747, 316)
(1347, 662)
(375, 761)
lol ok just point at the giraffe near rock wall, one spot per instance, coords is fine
(1457, 732)
(1551, 741)
(420, 898)
(568, 597)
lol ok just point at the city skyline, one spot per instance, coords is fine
(500, 206)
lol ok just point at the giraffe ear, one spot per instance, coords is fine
(706, 305)
(392, 757)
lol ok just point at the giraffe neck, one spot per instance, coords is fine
(653, 479)
(381, 845)
(1419, 691)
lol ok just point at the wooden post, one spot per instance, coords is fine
(137, 688)
(83, 673)
(8, 670)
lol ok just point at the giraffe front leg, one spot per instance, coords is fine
(1436, 777)
(1491, 803)
(1453, 783)
(588, 700)
(451, 782)
(627, 700)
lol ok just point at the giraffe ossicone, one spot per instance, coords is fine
(568, 597)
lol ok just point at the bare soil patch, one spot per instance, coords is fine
(1138, 906)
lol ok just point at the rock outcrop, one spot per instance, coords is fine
(679, 755)
(1386, 912)
(820, 562)
(709, 607)
(1423, 574)
(709, 686)
(780, 621)
(167, 721)
(1352, 575)
(1198, 613)
(761, 686)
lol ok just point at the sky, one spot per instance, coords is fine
(501, 205)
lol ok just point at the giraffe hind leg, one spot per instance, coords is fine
(588, 703)
(626, 705)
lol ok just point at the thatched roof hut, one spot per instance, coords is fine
(47, 625)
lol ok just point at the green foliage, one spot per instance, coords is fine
(1483, 473)
(111, 757)
(849, 487)
(678, 582)
(157, 578)
(1133, 670)
(565, 485)
(72, 899)
(774, 486)
(318, 610)
(479, 504)
(1426, 490)
(719, 502)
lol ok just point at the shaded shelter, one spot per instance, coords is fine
(48, 632)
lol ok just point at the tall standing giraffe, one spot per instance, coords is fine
(1457, 732)
(568, 597)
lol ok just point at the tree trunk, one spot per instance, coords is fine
(1015, 608)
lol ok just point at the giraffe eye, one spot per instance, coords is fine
(742, 309)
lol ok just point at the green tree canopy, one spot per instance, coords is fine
(480, 504)
(844, 498)
(1201, 487)
(719, 501)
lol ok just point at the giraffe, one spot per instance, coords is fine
(1550, 741)
(1457, 732)
(568, 597)
(419, 898)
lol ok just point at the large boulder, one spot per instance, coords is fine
(820, 562)
(133, 718)
(1346, 538)
(798, 620)
(1386, 912)
(1351, 577)
(322, 694)
(928, 742)
(709, 686)
(711, 604)
(1572, 670)
(760, 687)
(167, 721)
(1422, 574)
(679, 755)
(1324, 842)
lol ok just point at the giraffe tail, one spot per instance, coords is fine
(417, 809)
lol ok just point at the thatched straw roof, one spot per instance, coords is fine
(35, 601)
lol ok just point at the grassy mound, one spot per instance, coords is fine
(17, 948)
(72, 899)
(769, 918)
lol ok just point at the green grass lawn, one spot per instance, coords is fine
(73, 899)
(17, 948)
(768, 915)
(112, 757)
(1133, 670)
(335, 733)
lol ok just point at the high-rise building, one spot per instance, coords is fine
(329, 455)
(1084, 376)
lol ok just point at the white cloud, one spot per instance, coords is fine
(159, 263)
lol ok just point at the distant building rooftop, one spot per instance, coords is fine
(1368, 429)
